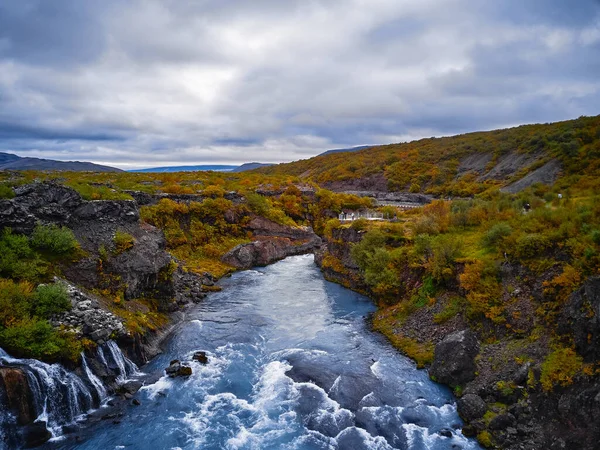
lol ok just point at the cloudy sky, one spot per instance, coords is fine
(140, 83)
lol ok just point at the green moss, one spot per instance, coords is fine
(560, 367)
(485, 439)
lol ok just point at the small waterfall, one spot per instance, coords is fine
(92, 378)
(125, 366)
(60, 397)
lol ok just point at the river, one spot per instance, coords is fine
(292, 365)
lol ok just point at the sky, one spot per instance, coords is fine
(145, 83)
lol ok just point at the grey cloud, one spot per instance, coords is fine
(183, 82)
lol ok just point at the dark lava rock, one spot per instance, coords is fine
(445, 432)
(200, 357)
(471, 407)
(502, 421)
(17, 394)
(131, 386)
(36, 434)
(454, 358)
(176, 369)
(173, 368)
(184, 371)
(135, 402)
(580, 318)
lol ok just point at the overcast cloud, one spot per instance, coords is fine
(170, 82)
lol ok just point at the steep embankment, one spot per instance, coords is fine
(525, 380)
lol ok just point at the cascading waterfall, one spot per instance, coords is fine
(92, 378)
(126, 367)
(61, 397)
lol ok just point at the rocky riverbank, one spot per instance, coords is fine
(503, 396)
(132, 296)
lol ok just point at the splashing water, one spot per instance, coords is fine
(291, 365)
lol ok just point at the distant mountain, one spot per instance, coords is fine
(8, 161)
(341, 150)
(215, 167)
(250, 166)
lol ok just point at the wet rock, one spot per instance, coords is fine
(132, 386)
(454, 358)
(445, 432)
(35, 434)
(471, 407)
(200, 357)
(184, 371)
(17, 392)
(176, 369)
(135, 402)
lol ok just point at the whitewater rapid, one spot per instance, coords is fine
(292, 365)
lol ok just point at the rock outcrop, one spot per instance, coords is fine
(14, 387)
(274, 242)
(177, 369)
(454, 358)
(580, 318)
(336, 262)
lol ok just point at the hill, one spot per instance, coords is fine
(463, 165)
(250, 166)
(345, 150)
(8, 161)
(203, 167)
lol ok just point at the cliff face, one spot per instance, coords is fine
(502, 396)
(335, 260)
(273, 242)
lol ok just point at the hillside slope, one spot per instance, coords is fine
(8, 161)
(463, 165)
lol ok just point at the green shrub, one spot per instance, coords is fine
(495, 234)
(6, 191)
(441, 264)
(454, 306)
(55, 239)
(257, 204)
(50, 299)
(36, 338)
(14, 301)
(360, 224)
(531, 246)
(123, 241)
(17, 259)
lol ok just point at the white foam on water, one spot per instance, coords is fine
(153, 390)
(377, 370)
(335, 386)
(197, 322)
(372, 442)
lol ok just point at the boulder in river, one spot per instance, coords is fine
(200, 357)
(36, 434)
(454, 358)
(131, 386)
(176, 369)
